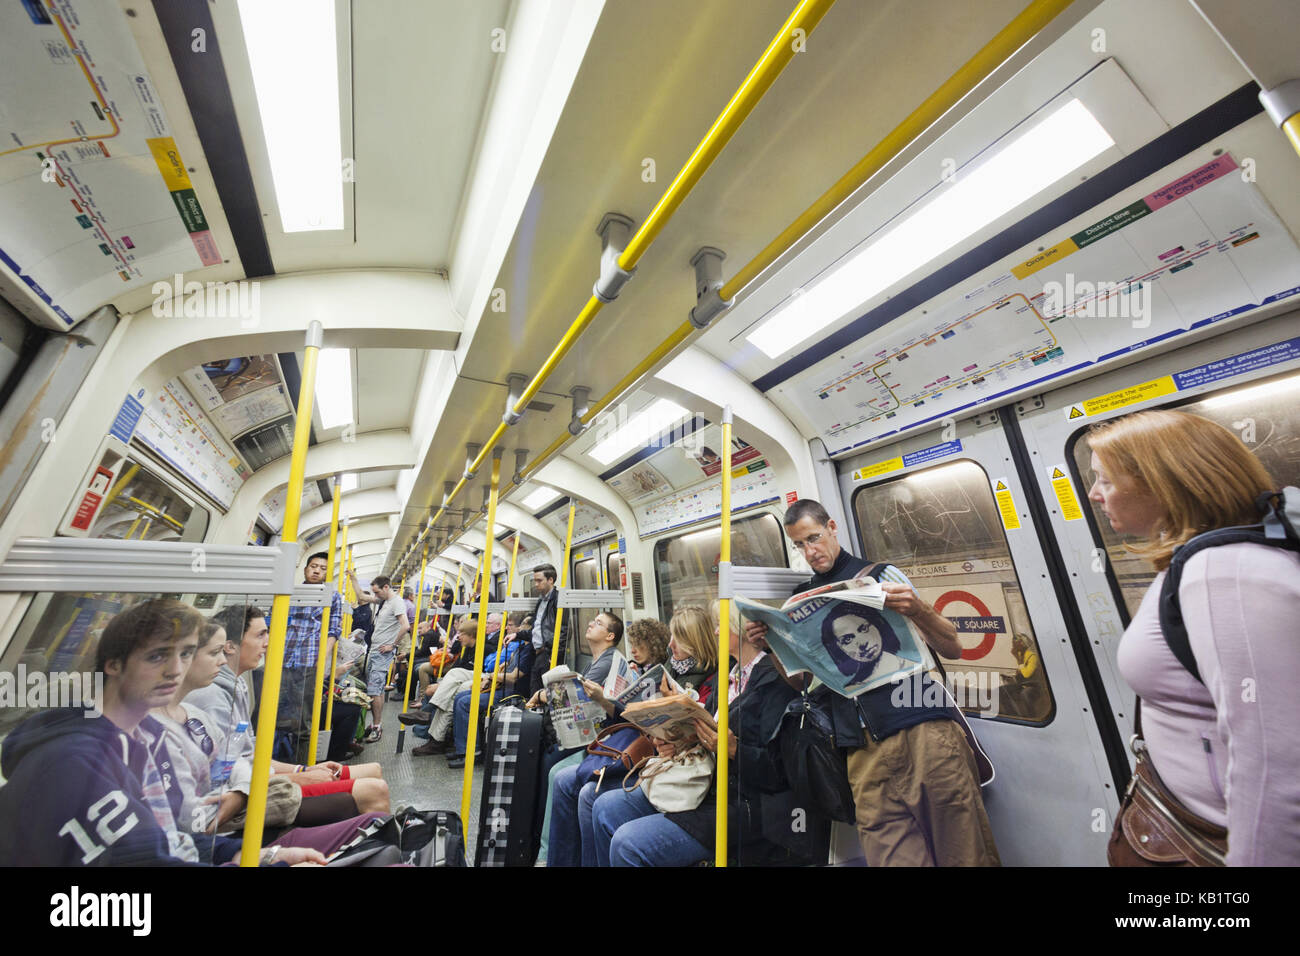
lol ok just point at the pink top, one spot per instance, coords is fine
(1229, 749)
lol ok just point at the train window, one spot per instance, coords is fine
(586, 577)
(686, 566)
(143, 506)
(611, 571)
(940, 526)
(1264, 415)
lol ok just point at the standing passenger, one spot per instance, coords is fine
(298, 680)
(914, 779)
(544, 624)
(1224, 744)
(391, 624)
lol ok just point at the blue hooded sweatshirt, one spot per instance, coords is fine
(74, 796)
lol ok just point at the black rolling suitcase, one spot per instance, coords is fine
(508, 821)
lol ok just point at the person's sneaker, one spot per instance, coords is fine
(415, 717)
(431, 748)
(375, 734)
(456, 761)
(356, 749)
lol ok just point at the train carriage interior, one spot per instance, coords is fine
(896, 258)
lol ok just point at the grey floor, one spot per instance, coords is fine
(426, 783)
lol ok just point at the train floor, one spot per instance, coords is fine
(426, 783)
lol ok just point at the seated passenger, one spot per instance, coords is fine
(114, 798)
(226, 701)
(694, 653)
(569, 841)
(913, 775)
(442, 695)
(647, 643)
(1230, 758)
(758, 789)
(509, 673)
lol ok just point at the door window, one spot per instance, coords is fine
(940, 527)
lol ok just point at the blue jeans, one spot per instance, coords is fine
(460, 721)
(629, 831)
(571, 841)
(564, 840)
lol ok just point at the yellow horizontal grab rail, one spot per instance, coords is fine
(978, 68)
(784, 45)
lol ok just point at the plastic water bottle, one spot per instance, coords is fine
(223, 765)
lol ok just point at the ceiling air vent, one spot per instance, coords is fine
(536, 406)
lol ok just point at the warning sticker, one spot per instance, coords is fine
(1065, 496)
(878, 469)
(1075, 411)
(1006, 505)
(1131, 395)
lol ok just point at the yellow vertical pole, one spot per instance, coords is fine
(505, 618)
(564, 581)
(255, 816)
(319, 683)
(471, 741)
(514, 557)
(419, 600)
(119, 487)
(345, 566)
(724, 648)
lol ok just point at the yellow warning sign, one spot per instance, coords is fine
(1006, 505)
(1065, 496)
(1076, 411)
(1130, 396)
(878, 469)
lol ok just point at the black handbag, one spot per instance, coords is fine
(816, 768)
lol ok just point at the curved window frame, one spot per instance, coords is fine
(987, 485)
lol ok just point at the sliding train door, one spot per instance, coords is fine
(1247, 380)
(948, 507)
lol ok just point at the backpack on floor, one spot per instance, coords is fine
(410, 837)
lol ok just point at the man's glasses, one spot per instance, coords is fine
(808, 542)
(199, 734)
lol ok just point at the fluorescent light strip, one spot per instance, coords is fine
(349, 482)
(1028, 164)
(640, 430)
(334, 387)
(293, 54)
(540, 498)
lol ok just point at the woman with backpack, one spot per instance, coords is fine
(1218, 756)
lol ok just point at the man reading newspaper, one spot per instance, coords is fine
(914, 778)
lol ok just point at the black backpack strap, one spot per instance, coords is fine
(1171, 612)
(875, 568)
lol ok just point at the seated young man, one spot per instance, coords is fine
(226, 700)
(114, 798)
